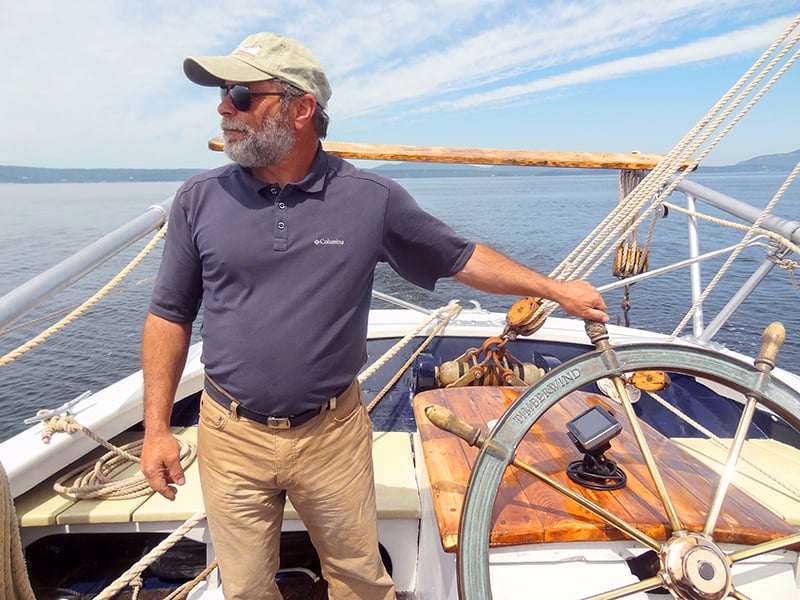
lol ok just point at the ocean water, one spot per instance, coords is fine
(536, 220)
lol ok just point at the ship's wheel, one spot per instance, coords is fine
(690, 565)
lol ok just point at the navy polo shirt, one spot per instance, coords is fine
(285, 275)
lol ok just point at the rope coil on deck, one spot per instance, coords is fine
(94, 479)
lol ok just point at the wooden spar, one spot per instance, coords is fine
(485, 156)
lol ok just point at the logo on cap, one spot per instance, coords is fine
(251, 50)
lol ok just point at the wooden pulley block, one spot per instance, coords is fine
(630, 261)
(649, 381)
(523, 317)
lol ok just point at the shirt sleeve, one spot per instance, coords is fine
(178, 289)
(420, 247)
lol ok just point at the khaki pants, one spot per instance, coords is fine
(324, 466)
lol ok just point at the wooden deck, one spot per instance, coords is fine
(396, 492)
(529, 512)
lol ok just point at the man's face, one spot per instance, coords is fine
(261, 136)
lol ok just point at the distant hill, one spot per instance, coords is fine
(770, 162)
(42, 175)
(399, 170)
(765, 163)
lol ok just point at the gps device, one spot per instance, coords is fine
(591, 430)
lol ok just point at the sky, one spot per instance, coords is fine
(99, 83)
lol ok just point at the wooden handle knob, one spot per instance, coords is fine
(596, 331)
(771, 341)
(445, 420)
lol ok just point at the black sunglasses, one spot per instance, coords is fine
(242, 97)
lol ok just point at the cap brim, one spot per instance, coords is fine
(216, 70)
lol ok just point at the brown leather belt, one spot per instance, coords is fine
(273, 422)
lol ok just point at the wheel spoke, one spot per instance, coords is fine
(764, 548)
(645, 585)
(445, 420)
(771, 342)
(595, 509)
(730, 466)
(599, 336)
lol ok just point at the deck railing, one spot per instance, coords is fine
(20, 301)
(790, 230)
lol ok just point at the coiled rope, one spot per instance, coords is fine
(95, 478)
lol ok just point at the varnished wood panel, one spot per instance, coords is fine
(527, 511)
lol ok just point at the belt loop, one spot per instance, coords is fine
(234, 410)
(332, 403)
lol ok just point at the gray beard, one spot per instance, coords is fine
(263, 148)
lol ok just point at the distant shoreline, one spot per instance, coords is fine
(399, 170)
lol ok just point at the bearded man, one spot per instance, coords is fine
(285, 321)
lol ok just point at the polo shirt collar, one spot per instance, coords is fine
(253, 184)
(314, 181)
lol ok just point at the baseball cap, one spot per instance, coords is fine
(263, 56)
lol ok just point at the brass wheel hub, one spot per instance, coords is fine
(695, 568)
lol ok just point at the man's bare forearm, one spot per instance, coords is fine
(165, 345)
(489, 271)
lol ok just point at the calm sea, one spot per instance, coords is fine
(535, 219)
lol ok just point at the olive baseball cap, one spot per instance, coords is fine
(263, 56)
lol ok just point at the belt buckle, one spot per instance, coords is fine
(279, 423)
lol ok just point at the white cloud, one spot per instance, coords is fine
(535, 41)
(738, 42)
(99, 82)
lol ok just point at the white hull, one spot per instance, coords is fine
(409, 533)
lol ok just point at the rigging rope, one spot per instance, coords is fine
(67, 309)
(454, 310)
(137, 569)
(387, 356)
(102, 293)
(659, 183)
(718, 441)
(782, 240)
(14, 582)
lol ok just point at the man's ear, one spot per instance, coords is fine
(303, 111)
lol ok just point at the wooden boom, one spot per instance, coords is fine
(485, 156)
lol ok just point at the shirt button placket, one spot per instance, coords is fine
(281, 232)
